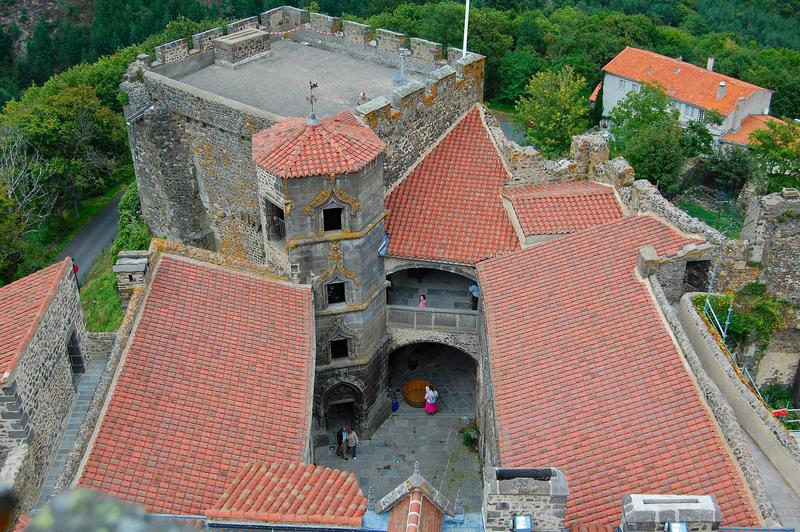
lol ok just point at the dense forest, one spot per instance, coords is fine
(63, 140)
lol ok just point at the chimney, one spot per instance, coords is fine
(721, 90)
(525, 499)
(680, 59)
(710, 64)
(672, 513)
(130, 271)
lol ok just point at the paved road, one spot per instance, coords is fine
(93, 239)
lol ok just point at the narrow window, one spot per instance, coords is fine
(622, 84)
(702, 115)
(332, 219)
(339, 348)
(335, 293)
(75, 356)
(635, 87)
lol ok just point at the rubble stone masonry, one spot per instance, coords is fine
(38, 394)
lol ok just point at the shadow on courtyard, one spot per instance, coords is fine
(409, 435)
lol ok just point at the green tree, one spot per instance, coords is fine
(777, 149)
(11, 231)
(515, 70)
(696, 139)
(554, 108)
(727, 169)
(646, 131)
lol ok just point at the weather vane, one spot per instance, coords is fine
(312, 119)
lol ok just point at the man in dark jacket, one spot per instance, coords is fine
(341, 442)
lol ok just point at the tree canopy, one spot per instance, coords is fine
(554, 109)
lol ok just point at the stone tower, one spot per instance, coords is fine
(321, 198)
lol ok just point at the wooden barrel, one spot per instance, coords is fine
(414, 393)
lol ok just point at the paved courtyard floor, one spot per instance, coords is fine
(410, 435)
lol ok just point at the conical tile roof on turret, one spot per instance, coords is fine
(301, 147)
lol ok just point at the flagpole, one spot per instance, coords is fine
(466, 31)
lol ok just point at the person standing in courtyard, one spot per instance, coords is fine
(431, 400)
(352, 442)
(341, 442)
(423, 301)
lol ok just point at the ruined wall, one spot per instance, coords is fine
(773, 226)
(39, 393)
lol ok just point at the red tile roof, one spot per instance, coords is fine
(415, 513)
(587, 377)
(555, 208)
(683, 81)
(748, 125)
(449, 208)
(292, 492)
(22, 305)
(595, 92)
(218, 373)
(336, 145)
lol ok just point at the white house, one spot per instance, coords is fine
(694, 91)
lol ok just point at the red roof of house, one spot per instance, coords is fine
(748, 125)
(22, 305)
(292, 492)
(595, 92)
(683, 81)
(588, 378)
(335, 145)
(555, 208)
(449, 208)
(415, 513)
(218, 373)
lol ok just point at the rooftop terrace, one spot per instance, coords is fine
(278, 83)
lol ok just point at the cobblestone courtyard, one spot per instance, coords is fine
(410, 435)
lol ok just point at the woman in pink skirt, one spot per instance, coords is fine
(431, 400)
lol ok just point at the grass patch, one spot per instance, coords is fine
(43, 246)
(99, 296)
(725, 221)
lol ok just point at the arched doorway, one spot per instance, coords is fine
(342, 405)
(452, 371)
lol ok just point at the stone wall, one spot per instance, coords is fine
(651, 513)
(751, 413)
(38, 394)
(540, 493)
(233, 51)
(773, 227)
(172, 52)
(192, 155)
(419, 115)
(99, 345)
(719, 407)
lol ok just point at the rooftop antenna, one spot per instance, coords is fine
(466, 32)
(312, 118)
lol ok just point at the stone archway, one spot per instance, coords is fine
(468, 343)
(341, 402)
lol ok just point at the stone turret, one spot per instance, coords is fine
(321, 184)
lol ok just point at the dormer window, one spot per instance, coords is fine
(332, 219)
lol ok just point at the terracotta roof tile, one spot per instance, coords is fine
(554, 208)
(292, 492)
(449, 208)
(595, 385)
(689, 83)
(218, 373)
(595, 92)
(415, 513)
(295, 148)
(748, 125)
(22, 305)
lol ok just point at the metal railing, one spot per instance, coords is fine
(433, 319)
